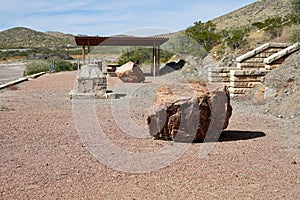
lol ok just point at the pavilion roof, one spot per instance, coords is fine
(120, 41)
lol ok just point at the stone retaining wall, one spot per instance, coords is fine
(252, 67)
(220, 74)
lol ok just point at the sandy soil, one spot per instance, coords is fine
(43, 157)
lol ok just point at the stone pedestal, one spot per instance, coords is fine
(91, 83)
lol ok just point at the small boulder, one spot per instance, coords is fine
(130, 73)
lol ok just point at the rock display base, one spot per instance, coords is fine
(76, 95)
(130, 73)
(91, 83)
(189, 112)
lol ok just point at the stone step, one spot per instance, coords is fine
(249, 72)
(238, 90)
(250, 65)
(281, 54)
(235, 84)
(254, 60)
(247, 78)
(216, 74)
(219, 79)
(263, 55)
(271, 67)
(222, 69)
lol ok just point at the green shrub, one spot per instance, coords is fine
(143, 55)
(273, 23)
(205, 34)
(62, 65)
(235, 38)
(37, 66)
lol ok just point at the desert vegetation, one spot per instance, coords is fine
(239, 37)
(37, 66)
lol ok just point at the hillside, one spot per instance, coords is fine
(255, 12)
(60, 35)
(21, 37)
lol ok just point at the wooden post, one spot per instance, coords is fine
(83, 54)
(154, 60)
(89, 52)
(158, 60)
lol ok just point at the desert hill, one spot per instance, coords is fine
(255, 12)
(21, 37)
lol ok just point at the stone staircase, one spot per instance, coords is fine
(252, 67)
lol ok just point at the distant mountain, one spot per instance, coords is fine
(21, 37)
(255, 12)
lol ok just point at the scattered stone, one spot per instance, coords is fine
(130, 73)
(266, 111)
(187, 112)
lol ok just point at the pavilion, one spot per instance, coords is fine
(154, 42)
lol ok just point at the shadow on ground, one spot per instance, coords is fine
(227, 136)
(235, 135)
(119, 96)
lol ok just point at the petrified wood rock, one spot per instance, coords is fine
(130, 73)
(189, 112)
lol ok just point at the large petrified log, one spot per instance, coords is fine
(189, 112)
(130, 73)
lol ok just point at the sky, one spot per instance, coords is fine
(111, 17)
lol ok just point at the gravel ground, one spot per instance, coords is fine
(44, 156)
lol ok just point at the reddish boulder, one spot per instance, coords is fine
(189, 112)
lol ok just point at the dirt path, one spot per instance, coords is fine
(43, 157)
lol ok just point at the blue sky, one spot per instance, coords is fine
(110, 17)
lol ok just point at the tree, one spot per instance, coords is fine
(205, 34)
(235, 38)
